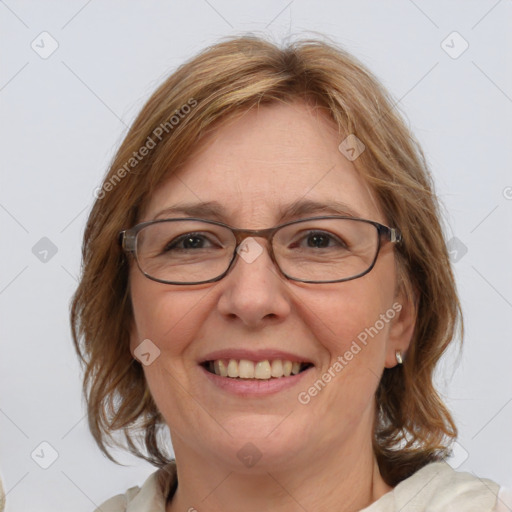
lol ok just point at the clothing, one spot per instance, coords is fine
(434, 488)
(2, 496)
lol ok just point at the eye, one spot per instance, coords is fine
(189, 241)
(319, 240)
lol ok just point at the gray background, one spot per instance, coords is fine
(63, 116)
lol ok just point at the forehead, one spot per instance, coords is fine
(256, 166)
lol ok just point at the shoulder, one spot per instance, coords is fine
(443, 488)
(150, 497)
(2, 496)
(439, 488)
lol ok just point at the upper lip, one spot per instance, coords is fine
(254, 355)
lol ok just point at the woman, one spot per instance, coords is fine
(265, 275)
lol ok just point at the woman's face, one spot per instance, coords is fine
(254, 168)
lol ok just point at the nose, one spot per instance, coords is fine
(254, 292)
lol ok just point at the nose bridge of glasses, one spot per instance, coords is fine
(253, 250)
(242, 234)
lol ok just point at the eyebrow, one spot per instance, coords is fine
(213, 210)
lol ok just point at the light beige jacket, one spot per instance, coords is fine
(2, 496)
(434, 488)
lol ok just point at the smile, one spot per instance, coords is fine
(259, 370)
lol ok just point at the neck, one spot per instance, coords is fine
(346, 479)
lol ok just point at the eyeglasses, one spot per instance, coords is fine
(316, 250)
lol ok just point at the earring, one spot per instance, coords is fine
(398, 355)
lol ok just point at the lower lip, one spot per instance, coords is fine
(254, 387)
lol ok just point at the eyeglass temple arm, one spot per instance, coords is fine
(394, 235)
(127, 240)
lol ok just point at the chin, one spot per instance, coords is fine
(257, 443)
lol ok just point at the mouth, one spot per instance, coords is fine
(245, 369)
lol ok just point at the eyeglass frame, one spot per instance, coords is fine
(128, 240)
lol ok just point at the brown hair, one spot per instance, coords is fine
(413, 426)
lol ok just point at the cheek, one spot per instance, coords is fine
(351, 323)
(355, 311)
(351, 327)
(171, 320)
(168, 317)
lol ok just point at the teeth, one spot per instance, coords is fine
(262, 370)
(219, 367)
(232, 368)
(276, 369)
(245, 369)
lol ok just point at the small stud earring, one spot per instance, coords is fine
(398, 355)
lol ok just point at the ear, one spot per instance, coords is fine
(402, 328)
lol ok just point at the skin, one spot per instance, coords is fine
(253, 165)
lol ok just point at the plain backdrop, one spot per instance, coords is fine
(73, 76)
